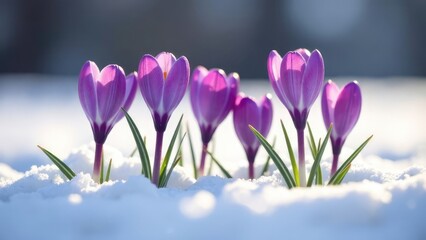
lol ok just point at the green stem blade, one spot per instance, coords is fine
(108, 173)
(277, 160)
(268, 159)
(143, 153)
(291, 154)
(61, 165)
(318, 157)
(163, 169)
(340, 173)
(226, 173)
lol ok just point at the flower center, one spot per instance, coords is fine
(165, 75)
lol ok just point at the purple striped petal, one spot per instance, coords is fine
(87, 89)
(304, 52)
(131, 88)
(245, 114)
(266, 113)
(176, 84)
(233, 80)
(197, 77)
(313, 78)
(328, 102)
(348, 109)
(151, 83)
(274, 71)
(166, 61)
(214, 94)
(111, 90)
(292, 69)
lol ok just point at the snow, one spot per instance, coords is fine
(383, 196)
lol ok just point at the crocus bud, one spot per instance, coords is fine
(297, 79)
(257, 114)
(163, 81)
(213, 95)
(342, 109)
(101, 94)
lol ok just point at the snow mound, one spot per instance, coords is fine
(380, 199)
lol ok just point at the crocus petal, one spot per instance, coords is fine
(245, 114)
(197, 77)
(348, 109)
(131, 88)
(166, 61)
(313, 78)
(328, 102)
(233, 80)
(111, 90)
(292, 68)
(176, 84)
(304, 52)
(151, 81)
(87, 89)
(238, 99)
(266, 113)
(274, 66)
(215, 94)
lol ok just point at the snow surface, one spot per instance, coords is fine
(383, 196)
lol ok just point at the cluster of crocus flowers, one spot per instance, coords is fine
(248, 111)
(102, 95)
(163, 81)
(213, 96)
(340, 107)
(297, 79)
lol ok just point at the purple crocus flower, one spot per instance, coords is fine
(102, 94)
(213, 96)
(297, 79)
(342, 109)
(163, 81)
(257, 114)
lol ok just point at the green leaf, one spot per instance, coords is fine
(169, 173)
(226, 173)
(61, 165)
(180, 150)
(318, 157)
(108, 173)
(101, 175)
(311, 141)
(143, 153)
(163, 169)
(163, 181)
(291, 154)
(277, 160)
(268, 159)
(340, 173)
(191, 146)
(132, 154)
(340, 178)
(318, 177)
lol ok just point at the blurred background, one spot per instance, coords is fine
(356, 37)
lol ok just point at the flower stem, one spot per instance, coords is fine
(251, 170)
(203, 160)
(98, 162)
(157, 158)
(334, 164)
(301, 151)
